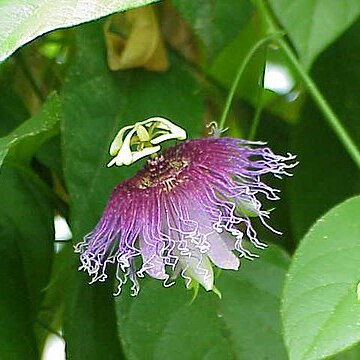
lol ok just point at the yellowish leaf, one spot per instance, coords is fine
(133, 39)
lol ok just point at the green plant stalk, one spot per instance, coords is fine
(329, 115)
(311, 87)
(256, 120)
(240, 72)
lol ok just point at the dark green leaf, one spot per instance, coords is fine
(26, 246)
(22, 142)
(313, 25)
(16, 335)
(160, 320)
(244, 324)
(49, 154)
(91, 100)
(320, 307)
(97, 103)
(89, 319)
(24, 20)
(215, 22)
(24, 204)
(250, 305)
(12, 107)
(276, 133)
(326, 175)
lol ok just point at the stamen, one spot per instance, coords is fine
(147, 135)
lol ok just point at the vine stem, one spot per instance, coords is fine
(240, 72)
(329, 115)
(256, 119)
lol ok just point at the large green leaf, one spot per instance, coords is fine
(320, 307)
(215, 22)
(22, 142)
(313, 25)
(160, 320)
(244, 324)
(16, 335)
(97, 103)
(348, 354)
(250, 305)
(326, 175)
(91, 100)
(89, 319)
(26, 247)
(24, 20)
(24, 204)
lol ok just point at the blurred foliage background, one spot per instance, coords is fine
(73, 73)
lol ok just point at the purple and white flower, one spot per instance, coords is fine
(189, 209)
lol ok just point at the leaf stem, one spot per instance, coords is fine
(329, 115)
(240, 72)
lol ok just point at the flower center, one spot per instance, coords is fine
(163, 172)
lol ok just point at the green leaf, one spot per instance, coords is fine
(16, 335)
(49, 154)
(250, 305)
(25, 20)
(215, 22)
(349, 354)
(91, 100)
(161, 320)
(96, 104)
(22, 142)
(12, 107)
(244, 324)
(321, 312)
(312, 25)
(89, 319)
(226, 64)
(26, 247)
(327, 176)
(24, 204)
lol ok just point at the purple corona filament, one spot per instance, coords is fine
(188, 210)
